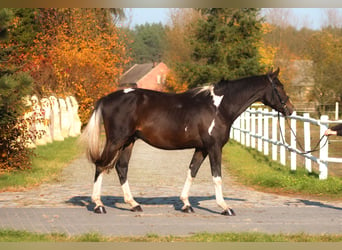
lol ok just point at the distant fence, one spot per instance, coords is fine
(260, 128)
(50, 119)
(332, 109)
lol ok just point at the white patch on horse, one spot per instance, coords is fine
(212, 125)
(216, 98)
(186, 129)
(128, 90)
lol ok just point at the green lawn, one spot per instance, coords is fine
(252, 168)
(49, 161)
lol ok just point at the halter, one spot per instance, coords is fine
(283, 103)
(275, 90)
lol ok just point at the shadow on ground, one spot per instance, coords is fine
(319, 204)
(117, 201)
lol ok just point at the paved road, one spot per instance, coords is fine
(156, 178)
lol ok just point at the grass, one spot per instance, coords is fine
(23, 236)
(46, 167)
(254, 169)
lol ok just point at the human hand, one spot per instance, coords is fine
(330, 132)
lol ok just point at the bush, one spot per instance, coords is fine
(13, 153)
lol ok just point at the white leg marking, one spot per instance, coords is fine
(128, 195)
(96, 197)
(128, 90)
(185, 193)
(218, 192)
(212, 125)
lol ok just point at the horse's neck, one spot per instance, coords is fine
(241, 97)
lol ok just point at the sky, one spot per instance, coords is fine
(311, 17)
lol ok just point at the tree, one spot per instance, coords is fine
(78, 52)
(14, 86)
(148, 42)
(326, 53)
(223, 46)
(289, 45)
(178, 48)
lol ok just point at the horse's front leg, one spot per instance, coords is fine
(122, 169)
(96, 196)
(195, 164)
(215, 156)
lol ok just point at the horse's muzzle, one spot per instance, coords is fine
(288, 108)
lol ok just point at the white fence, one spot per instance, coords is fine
(258, 128)
(50, 119)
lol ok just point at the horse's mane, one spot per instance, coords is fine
(217, 87)
(204, 90)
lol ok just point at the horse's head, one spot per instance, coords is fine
(275, 95)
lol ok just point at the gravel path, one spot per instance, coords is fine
(156, 179)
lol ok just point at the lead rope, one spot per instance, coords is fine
(304, 152)
(316, 148)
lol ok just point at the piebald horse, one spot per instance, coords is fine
(199, 118)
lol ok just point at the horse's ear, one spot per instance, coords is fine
(275, 74)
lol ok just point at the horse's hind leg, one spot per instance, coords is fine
(195, 164)
(96, 196)
(108, 157)
(122, 169)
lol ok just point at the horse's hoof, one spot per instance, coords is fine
(137, 209)
(100, 210)
(188, 209)
(228, 212)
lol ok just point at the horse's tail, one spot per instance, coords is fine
(92, 133)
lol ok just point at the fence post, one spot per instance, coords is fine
(307, 142)
(323, 153)
(242, 129)
(266, 133)
(293, 143)
(336, 110)
(248, 127)
(253, 127)
(260, 129)
(281, 138)
(274, 135)
(237, 131)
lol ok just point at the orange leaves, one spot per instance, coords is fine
(266, 51)
(173, 84)
(86, 55)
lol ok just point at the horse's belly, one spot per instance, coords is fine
(166, 139)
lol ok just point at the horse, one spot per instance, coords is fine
(200, 118)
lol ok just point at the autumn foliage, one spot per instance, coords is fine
(77, 52)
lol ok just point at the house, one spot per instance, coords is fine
(302, 80)
(145, 76)
(302, 85)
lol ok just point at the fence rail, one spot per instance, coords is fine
(258, 128)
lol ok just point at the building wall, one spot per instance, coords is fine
(155, 79)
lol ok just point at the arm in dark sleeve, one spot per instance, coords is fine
(338, 129)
